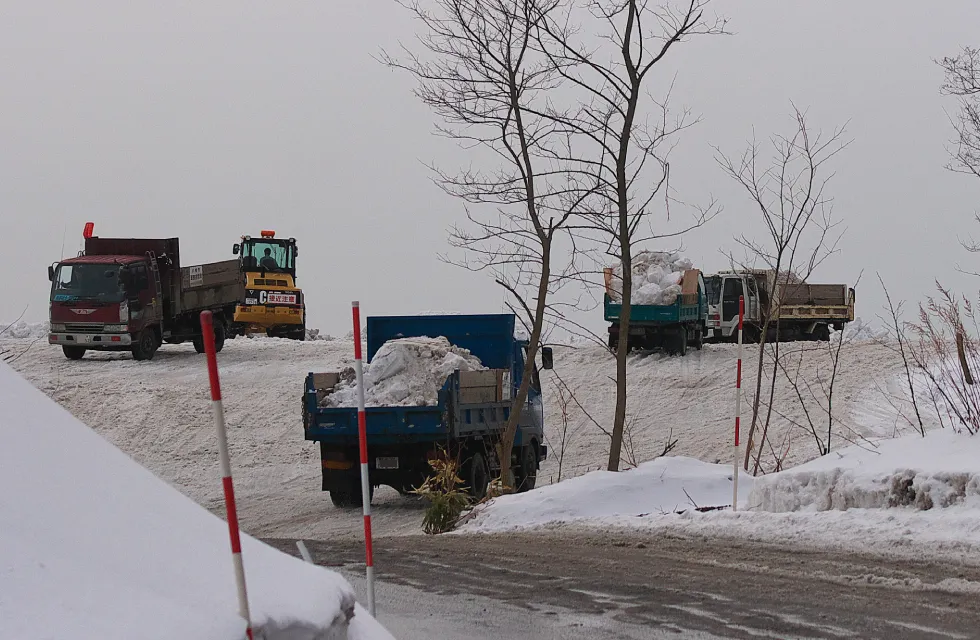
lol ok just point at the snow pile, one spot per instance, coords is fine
(656, 278)
(92, 545)
(314, 334)
(861, 331)
(407, 372)
(24, 330)
(939, 471)
(663, 486)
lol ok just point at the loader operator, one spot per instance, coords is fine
(267, 262)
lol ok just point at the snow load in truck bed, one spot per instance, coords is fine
(408, 372)
(656, 278)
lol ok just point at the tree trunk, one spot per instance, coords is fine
(622, 351)
(506, 444)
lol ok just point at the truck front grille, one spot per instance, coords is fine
(84, 327)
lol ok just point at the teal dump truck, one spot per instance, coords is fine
(671, 327)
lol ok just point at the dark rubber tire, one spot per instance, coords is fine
(220, 333)
(348, 494)
(528, 473)
(477, 477)
(73, 353)
(146, 345)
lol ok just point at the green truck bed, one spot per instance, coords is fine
(656, 314)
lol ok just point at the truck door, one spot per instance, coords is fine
(731, 291)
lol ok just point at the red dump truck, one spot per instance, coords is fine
(131, 294)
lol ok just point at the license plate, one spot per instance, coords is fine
(282, 298)
(386, 463)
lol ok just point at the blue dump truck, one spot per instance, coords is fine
(671, 327)
(467, 420)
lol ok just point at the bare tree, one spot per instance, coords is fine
(485, 79)
(963, 81)
(896, 325)
(617, 155)
(789, 192)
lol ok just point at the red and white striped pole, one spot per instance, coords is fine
(207, 328)
(362, 438)
(738, 402)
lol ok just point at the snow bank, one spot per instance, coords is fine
(92, 545)
(861, 331)
(938, 471)
(407, 372)
(662, 486)
(22, 330)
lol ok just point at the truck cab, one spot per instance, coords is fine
(272, 302)
(104, 303)
(724, 291)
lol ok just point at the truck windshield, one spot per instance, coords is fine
(713, 289)
(271, 255)
(87, 282)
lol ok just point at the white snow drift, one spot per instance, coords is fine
(937, 471)
(659, 487)
(92, 545)
(405, 372)
(656, 278)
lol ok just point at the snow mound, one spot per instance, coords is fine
(656, 278)
(938, 471)
(407, 372)
(659, 487)
(861, 331)
(92, 545)
(24, 330)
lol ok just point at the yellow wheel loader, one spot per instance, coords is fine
(272, 303)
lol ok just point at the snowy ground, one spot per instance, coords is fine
(910, 496)
(158, 412)
(94, 546)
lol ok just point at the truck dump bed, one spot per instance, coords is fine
(687, 307)
(214, 284)
(470, 402)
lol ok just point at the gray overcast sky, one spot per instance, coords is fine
(209, 120)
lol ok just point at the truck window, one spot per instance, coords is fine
(713, 290)
(87, 282)
(730, 295)
(271, 255)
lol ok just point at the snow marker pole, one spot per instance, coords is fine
(738, 401)
(362, 438)
(207, 328)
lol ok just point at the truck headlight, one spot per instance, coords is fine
(58, 328)
(116, 328)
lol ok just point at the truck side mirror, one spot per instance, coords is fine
(547, 358)
(51, 272)
(235, 248)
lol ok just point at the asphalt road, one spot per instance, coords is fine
(585, 585)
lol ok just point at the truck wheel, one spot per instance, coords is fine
(347, 494)
(219, 336)
(73, 353)
(699, 339)
(199, 345)
(146, 345)
(477, 476)
(528, 473)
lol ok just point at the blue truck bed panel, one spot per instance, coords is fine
(489, 337)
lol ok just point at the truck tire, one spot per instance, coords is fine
(528, 473)
(219, 339)
(146, 345)
(477, 476)
(699, 332)
(73, 353)
(346, 494)
(676, 342)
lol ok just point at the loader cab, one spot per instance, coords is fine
(267, 254)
